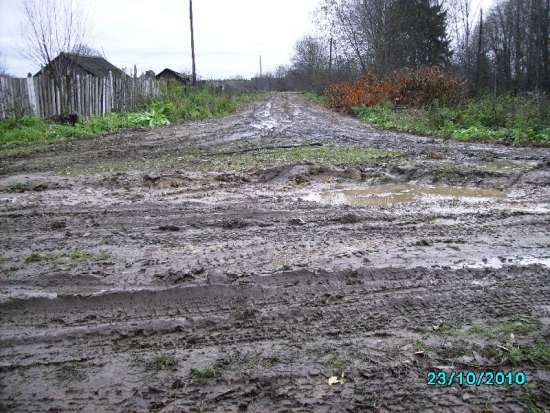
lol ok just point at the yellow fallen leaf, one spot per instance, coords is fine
(334, 379)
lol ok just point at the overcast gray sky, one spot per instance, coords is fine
(230, 35)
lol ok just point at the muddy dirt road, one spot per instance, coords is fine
(239, 264)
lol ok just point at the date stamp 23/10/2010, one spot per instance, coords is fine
(470, 378)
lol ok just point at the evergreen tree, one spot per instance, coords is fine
(418, 34)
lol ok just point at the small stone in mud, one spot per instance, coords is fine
(300, 179)
(151, 179)
(58, 224)
(348, 219)
(197, 270)
(223, 178)
(40, 187)
(157, 404)
(178, 384)
(168, 228)
(217, 277)
(354, 174)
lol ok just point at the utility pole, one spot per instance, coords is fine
(260, 65)
(330, 62)
(192, 42)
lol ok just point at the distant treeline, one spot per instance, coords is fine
(506, 48)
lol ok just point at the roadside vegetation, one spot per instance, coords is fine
(506, 119)
(389, 73)
(177, 104)
(430, 101)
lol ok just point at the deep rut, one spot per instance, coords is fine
(173, 287)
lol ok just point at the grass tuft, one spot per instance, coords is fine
(17, 188)
(165, 362)
(75, 255)
(314, 97)
(203, 372)
(35, 256)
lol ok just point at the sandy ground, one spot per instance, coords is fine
(209, 266)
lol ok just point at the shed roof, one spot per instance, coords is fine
(94, 65)
(178, 76)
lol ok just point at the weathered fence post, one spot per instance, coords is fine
(32, 96)
(3, 98)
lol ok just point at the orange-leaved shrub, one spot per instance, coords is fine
(412, 88)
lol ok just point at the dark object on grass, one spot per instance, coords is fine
(65, 119)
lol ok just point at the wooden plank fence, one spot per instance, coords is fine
(84, 95)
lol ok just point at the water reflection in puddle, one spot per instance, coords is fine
(27, 294)
(391, 194)
(499, 262)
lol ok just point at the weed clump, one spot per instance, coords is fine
(35, 256)
(17, 188)
(165, 362)
(203, 372)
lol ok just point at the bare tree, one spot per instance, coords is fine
(51, 27)
(48, 30)
(310, 63)
(382, 36)
(516, 35)
(462, 19)
(84, 49)
(3, 67)
(347, 22)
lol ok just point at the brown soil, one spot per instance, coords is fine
(163, 270)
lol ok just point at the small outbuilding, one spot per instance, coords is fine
(74, 63)
(171, 74)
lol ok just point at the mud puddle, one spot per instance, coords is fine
(392, 194)
(499, 262)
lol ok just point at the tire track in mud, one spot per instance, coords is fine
(236, 272)
(293, 308)
(403, 294)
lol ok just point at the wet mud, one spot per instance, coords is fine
(239, 264)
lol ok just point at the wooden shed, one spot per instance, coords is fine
(74, 63)
(171, 74)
